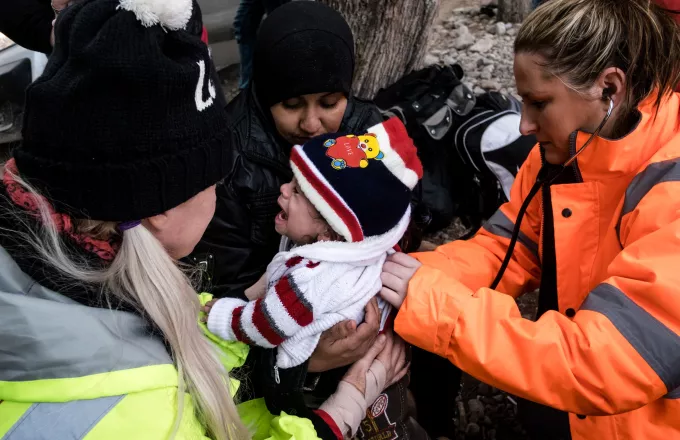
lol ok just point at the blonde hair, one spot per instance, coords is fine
(143, 275)
(581, 38)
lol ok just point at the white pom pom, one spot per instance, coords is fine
(171, 14)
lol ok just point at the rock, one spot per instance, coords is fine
(448, 60)
(500, 28)
(482, 46)
(491, 434)
(478, 90)
(464, 41)
(462, 417)
(485, 75)
(472, 431)
(431, 59)
(487, 421)
(490, 84)
(473, 74)
(508, 26)
(512, 31)
(499, 398)
(476, 408)
(484, 389)
(462, 29)
(489, 68)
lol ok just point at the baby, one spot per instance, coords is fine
(346, 208)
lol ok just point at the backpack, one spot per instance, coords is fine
(470, 146)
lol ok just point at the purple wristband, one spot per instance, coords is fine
(124, 226)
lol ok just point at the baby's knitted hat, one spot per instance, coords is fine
(361, 184)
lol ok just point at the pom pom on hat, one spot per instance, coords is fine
(171, 14)
(399, 154)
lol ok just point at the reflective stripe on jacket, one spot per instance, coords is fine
(68, 371)
(611, 353)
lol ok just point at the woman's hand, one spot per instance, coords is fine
(345, 343)
(390, 351)
(397, 272)
(383, 365)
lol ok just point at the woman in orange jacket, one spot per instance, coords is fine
(601, 238)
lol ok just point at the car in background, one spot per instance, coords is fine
(18, 68)
(218, 19)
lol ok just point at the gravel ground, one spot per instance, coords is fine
(481, 45)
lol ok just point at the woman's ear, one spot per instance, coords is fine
(157, 223)
(611, 84)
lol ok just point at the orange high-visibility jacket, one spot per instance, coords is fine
(611, 355)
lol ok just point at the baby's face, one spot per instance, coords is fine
(298, 220)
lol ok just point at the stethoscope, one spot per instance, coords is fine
(546, 175)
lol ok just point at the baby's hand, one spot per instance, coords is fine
(397, 272)
(206, 309)
(257, 290)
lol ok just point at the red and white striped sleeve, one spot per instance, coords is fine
(268, 321)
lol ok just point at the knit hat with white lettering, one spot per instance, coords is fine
(360, 184)
(127, 121)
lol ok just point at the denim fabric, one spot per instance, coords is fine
(247, 21)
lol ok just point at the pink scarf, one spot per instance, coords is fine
(106, 250)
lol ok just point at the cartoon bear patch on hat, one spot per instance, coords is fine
(353, 151)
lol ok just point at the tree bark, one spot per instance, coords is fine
(390, 39)
(513, 11)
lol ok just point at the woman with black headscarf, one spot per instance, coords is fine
(302, 76)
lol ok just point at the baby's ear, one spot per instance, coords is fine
(325, 235)
(328, 235)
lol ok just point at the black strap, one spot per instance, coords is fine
(546, 175)
(282, 390)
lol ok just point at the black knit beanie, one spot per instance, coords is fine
(127, 121)
(303, 47)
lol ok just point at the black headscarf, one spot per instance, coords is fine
(303, 47)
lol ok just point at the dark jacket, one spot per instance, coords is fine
(28, 23)
(241, 241)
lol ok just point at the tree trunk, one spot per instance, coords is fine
(390, 38)
(513, 11)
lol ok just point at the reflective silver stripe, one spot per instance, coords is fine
(675, 394)
(659, 172)
(43, 337)
(61, 421)
(499, 224)
(658, 345)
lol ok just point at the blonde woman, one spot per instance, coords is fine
(601, 239)
(124, 140)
